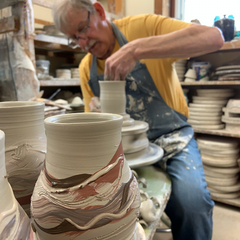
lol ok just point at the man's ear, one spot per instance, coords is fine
(100, 10)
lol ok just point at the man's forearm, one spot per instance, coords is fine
(189, 42)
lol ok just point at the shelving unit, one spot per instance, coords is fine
(58, 82)
(229, 53)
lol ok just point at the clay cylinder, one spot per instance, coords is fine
(113, 97)
(22, 123)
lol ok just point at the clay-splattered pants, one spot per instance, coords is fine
(190, 206)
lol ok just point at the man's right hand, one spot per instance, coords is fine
(95, 105)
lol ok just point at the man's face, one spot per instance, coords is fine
(90, 32)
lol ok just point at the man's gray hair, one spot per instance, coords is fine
(61, 7)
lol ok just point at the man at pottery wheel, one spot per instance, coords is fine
(141, 50)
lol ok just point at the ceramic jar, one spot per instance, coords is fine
(86, 190)
(22, 123)
(14, 222)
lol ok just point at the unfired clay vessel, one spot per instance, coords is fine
(14, 222)
(113, 100)
(86, 190)
(25, 149)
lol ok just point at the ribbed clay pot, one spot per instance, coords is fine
(86, 190)
(113, 100)
(22, 123)
(14, 222)
(113, 97)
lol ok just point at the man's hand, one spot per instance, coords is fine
(121, 63)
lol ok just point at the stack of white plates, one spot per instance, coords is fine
(180, 67)
(75, 73)
(205, 111)
(219, 157)
(63, 73)
(228, 73)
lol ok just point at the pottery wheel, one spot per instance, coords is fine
(145, 157)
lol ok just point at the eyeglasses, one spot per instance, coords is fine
(82, 34)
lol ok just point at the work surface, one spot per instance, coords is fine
(159, 186)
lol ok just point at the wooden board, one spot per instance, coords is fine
(9, 24)
(43, 22)
(7, 3)
(57, 82)
(53, 43)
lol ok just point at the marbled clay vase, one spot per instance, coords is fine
(14, 222)
(25, 148)
(86, 190)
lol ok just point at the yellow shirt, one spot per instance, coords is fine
(161, 70)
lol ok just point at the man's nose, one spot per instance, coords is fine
(83, 42)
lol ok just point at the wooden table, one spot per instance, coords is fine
(159, 186)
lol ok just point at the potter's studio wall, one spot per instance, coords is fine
(42, 13)
(135, 7)
(143, 6)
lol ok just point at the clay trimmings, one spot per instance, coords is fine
(84, 203)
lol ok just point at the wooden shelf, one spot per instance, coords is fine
(53, 43)
(58, 82)
(210, 83)
(232, 202)
(235, 44)
(223, 132)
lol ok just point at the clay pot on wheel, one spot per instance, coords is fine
(86, 191)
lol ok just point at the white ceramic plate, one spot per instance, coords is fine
(221, 181)
(228, 67)
(211, 161)
(212, 102)
(214, 90)
(219, 142)
(225, 195)
(208, 127)
(196, 105)
(204, 114)
(205, 110)
(210, 98)
(225, 189)
(205, 118)
(223, 170)
(209, 150)
(204, 122)
(149, 156)
(222, 72)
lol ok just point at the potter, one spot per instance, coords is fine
(141, 50)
